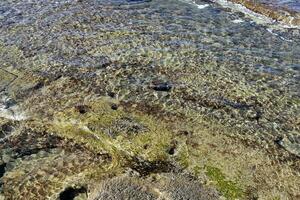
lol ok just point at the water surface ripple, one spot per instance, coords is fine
(202, 58)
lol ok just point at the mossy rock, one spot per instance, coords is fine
(149, 140)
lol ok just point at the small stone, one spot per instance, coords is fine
(2, 169)
(111, 94)
(114, 106)
(82, 109)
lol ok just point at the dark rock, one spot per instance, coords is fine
(114, 106)
(82, 109)
(164, 87)
(70, 193)
(278, 141)
(171, 151)
(7, 128)
(111, 94)
(2, 169)
(38, 86)
(173, 147)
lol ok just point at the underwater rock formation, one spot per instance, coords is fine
(169, 102)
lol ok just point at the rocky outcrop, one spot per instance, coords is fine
(277, 12)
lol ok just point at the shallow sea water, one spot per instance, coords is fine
(221, 63)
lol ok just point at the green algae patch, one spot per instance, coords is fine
(183, 157)
(228, 188)
(121, 134)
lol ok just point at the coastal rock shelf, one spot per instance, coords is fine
(123, 99)
(283, 11)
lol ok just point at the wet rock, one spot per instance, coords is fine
(71, 193)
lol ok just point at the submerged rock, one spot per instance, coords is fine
(188, 100)
(164, 87)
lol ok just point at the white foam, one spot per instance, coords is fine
(203, 6)
(237, 21)
(10, 112)
(13, 113)
(270, 30)
(199, 6)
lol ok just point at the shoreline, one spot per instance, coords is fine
(280, 14)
